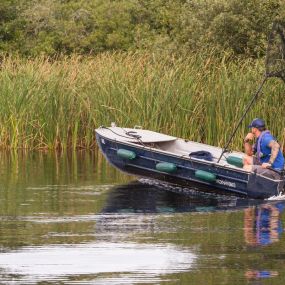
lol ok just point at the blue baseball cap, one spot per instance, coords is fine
(257, 123)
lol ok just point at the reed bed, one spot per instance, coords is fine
(48, 104)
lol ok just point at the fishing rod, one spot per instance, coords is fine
(253, 99)
(274, 64)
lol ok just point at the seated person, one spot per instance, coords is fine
(265, 155)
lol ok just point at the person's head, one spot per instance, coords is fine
(257, 126)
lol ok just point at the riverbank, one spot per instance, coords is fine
(48, 104)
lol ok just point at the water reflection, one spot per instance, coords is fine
(262, 224)
(64, 221)
(56, 263)
(140, 197)
(262, 219)
(260, 274)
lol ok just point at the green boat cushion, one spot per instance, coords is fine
(234, 160)
(205, 175)
(166, 167)
(126, 154)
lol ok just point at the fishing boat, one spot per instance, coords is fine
(145, 153)
(154, 155)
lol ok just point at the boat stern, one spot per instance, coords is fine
(262, 187)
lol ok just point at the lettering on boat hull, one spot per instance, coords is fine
(226, 183)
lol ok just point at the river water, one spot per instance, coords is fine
(72, 219)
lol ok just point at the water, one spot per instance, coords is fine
(71, 219)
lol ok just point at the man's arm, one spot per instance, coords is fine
(248, 148)
(247, 145)
(274, 145)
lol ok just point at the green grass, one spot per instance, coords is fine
(48, 104)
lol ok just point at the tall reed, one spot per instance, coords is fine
(57, 104)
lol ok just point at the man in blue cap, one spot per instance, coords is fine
(265, 155)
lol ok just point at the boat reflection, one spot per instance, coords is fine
(253, 224)
(138, 197)
(262, 222)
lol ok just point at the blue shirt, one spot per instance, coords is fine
(266, 152)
